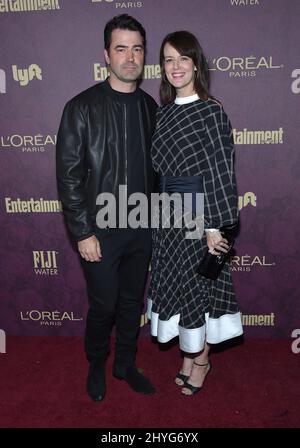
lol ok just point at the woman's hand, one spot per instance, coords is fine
(216, 243)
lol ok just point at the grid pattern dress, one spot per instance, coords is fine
(192, 139)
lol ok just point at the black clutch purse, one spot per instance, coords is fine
(211, 265)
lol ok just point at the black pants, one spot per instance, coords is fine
(116, 288)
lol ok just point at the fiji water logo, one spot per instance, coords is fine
(45, 262)
(244, 2)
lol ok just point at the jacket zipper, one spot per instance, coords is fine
(125, 133)
(142, 132)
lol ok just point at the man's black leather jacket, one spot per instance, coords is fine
(91, 153)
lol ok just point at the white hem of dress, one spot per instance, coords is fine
(193, 340)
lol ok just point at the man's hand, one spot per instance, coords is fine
(90, 249)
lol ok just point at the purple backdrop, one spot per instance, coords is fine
(52, 51)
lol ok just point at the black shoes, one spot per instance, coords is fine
(95, 384)
(195, 389)
(96, 387)
(138, 382)
(182, 377)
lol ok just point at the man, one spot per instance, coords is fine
(103, 142)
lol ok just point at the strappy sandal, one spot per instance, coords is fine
(182, 377)
(196, 389)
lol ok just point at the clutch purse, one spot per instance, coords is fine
(211, 265)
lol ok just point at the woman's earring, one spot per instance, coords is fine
(195, 69)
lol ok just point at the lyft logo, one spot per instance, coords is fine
(24, 76)
(2, 341)
(2, 81)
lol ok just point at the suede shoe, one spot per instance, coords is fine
(138, 382)
(95, 384)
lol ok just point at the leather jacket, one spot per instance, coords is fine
(91, 153)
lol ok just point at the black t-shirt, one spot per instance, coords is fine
(135, 156)
(131, 129)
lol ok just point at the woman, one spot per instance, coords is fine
(192, 145)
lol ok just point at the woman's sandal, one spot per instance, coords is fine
(182, 377)
(195, 389)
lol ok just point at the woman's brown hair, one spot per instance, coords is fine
(187, 45)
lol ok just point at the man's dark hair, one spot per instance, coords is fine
(122, 22)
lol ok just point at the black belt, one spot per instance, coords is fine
(182, 184)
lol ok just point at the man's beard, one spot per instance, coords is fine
(129, 75)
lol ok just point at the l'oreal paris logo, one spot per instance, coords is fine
(243, 66)
(28, 143)
(245, 263)
(49, 318)
(121, 5)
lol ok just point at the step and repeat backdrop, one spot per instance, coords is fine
(53, 49)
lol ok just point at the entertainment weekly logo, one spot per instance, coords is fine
(32, 205)
(150, 71)
(258, 137)
(28, 5)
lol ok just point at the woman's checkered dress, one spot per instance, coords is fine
(193, 139)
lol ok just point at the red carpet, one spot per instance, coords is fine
(254, 384)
